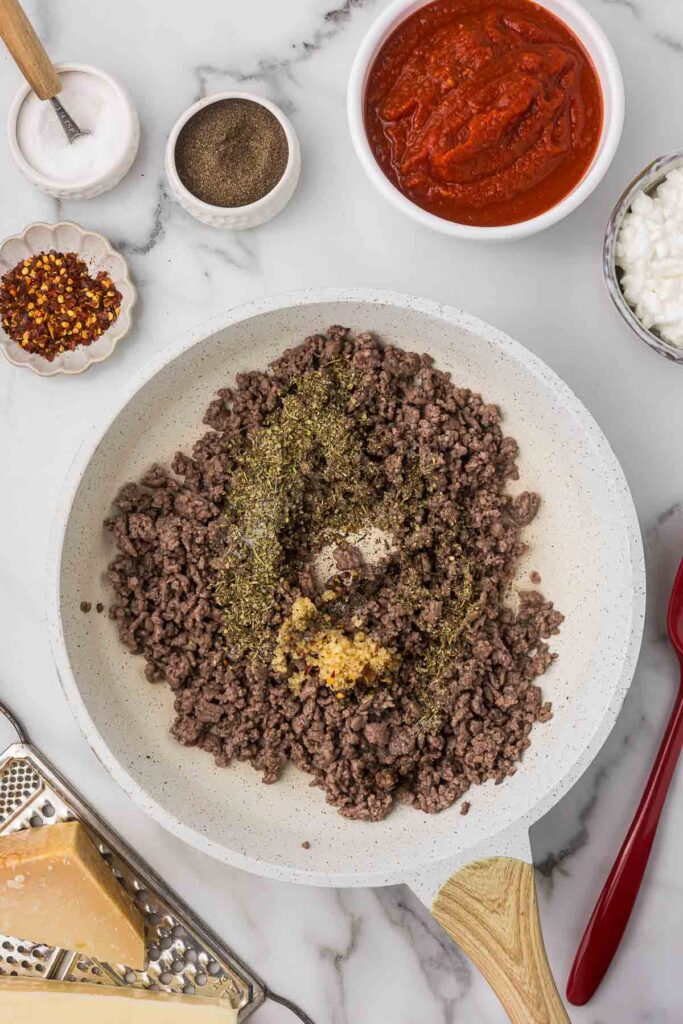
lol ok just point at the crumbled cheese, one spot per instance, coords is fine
(340, 660)
(649, 250)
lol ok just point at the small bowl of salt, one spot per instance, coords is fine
(93, 163)
(643, 256)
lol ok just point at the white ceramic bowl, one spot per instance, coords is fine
(604, 58)
(585, 543)
(237, 218)
(88, 188)
(97, 252)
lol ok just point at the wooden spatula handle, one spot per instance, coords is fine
(27, 50)
(489, 908)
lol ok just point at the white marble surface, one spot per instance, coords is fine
(359, 957)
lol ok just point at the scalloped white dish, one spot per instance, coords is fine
(98, 253)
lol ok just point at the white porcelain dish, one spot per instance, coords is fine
(585, 543)
(236, 218)
(605, 60)
(89, 187)
(98, 253)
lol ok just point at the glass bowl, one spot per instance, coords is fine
(647, 181)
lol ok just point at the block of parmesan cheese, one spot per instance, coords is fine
(56, 889)
(24, 1001)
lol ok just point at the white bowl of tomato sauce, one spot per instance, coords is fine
(486, 119)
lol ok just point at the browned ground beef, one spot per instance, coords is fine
(371, 748)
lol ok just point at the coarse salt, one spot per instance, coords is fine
(649, 250)
(98, 108)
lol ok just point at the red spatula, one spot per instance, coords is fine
(612, 911)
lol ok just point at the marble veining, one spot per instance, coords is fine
(674, 44)
(156, 231)
(359, 957)
(273, 70)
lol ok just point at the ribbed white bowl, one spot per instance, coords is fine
(236, 218)
(87, 188)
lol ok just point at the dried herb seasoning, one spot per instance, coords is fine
(231, 153)
(316, 433)
(50, 303)
(269, 493)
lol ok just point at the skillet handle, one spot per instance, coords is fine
(489, 908)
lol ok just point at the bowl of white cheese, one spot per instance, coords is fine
(643, 256)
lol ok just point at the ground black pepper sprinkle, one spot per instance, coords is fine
(50, 303)
(231, 153)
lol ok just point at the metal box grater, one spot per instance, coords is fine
(183, 955)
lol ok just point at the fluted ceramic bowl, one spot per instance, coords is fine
(96, 251)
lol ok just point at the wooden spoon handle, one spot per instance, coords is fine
(489, 908)
(27, 50)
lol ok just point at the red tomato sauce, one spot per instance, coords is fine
(482, 112)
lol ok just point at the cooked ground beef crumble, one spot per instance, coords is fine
(370, 748)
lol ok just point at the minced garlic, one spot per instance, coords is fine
(302, 613)
(340, 660)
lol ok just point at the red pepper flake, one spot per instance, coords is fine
(50, 303)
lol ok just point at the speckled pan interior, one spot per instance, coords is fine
(584, 543)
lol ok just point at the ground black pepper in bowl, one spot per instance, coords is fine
(231, 153)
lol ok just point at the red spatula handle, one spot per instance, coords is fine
(612, 911)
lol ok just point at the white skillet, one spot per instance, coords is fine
(585, 543)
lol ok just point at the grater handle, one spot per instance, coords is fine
(14, 723)
(289, 1005)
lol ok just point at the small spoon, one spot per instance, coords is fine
(612, 911)
(33, 62)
